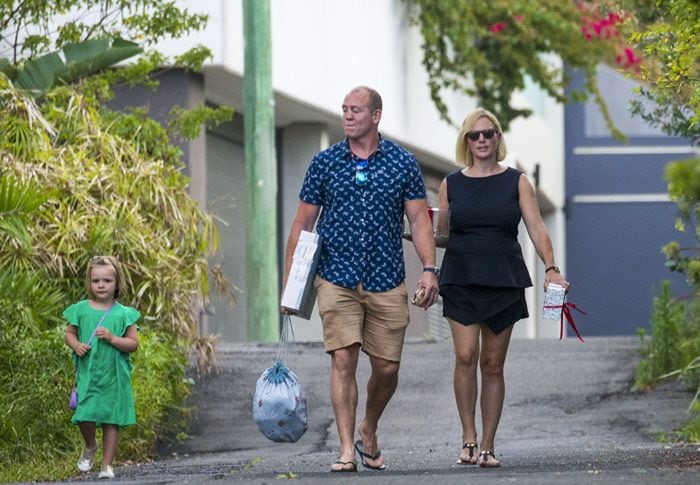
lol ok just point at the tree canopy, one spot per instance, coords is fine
(666, 32)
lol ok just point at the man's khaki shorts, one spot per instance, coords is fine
(375, 320)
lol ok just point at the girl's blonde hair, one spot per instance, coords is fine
(462, 153)
(118, 274)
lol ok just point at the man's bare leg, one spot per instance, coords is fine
(381, 386)
(343, 387)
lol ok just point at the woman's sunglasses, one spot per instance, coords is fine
(474, 135)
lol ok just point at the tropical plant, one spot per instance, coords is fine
(17, 200)
(47, 43)
(29, 29)
(109, 183)
(73, 61)
(110, 195)
(26, 297)
(29, 304)
(114, 196)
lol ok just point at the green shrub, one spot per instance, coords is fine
(691, 430)
(661, 353)
(160, 386)
(34, 386)
(106, 197)
(38, 442)
(690, 345)
(673, 351)
(77, 180)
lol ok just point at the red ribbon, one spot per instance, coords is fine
(566, 311)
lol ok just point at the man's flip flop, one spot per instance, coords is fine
(360, 449)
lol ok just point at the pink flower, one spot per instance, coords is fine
(497, 27)
(631, 56)
(519, 18)
(586, 33)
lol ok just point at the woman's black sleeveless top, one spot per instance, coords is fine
(483, 246)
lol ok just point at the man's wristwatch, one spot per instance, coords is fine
(432, 269)
(554, 268)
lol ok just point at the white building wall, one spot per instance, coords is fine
(323, 48)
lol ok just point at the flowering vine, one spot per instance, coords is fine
(487, 53)
(606, 28)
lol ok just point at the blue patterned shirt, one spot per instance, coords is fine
(360, 225)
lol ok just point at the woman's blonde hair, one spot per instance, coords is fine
(462, 153)
(118, 274)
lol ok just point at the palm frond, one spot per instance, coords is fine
(18, 197)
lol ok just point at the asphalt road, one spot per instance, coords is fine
(569, 417)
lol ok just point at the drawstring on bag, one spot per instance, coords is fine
(279, 372)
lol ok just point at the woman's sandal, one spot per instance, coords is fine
(488, 460)
(472, 460)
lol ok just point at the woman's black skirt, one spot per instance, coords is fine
(499, 308)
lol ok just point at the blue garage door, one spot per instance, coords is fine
(618, 213)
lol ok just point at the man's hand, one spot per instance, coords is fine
(429, 282)
(287, 311)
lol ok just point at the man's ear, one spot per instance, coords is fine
(376, 116)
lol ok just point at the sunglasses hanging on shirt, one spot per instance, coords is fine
(361, 171)
(474, 135)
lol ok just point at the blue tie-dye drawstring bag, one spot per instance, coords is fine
(279, 405)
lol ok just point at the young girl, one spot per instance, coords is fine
(103, 366)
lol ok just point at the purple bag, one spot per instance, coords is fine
(73, 400)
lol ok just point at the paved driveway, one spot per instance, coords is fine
(569, 417)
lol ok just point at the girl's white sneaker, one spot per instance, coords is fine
(86, 459)
(106, 472)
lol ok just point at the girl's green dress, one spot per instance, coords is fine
(104, 373)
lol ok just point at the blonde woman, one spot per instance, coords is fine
(483, 275)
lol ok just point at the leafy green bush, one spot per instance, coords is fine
(38, 442)
(661, 353)
(691, 430)
(77, 180)
(160, 386)
(673, 351)
(110, 193)
(35, 427)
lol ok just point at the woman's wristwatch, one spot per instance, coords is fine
(554, 268)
